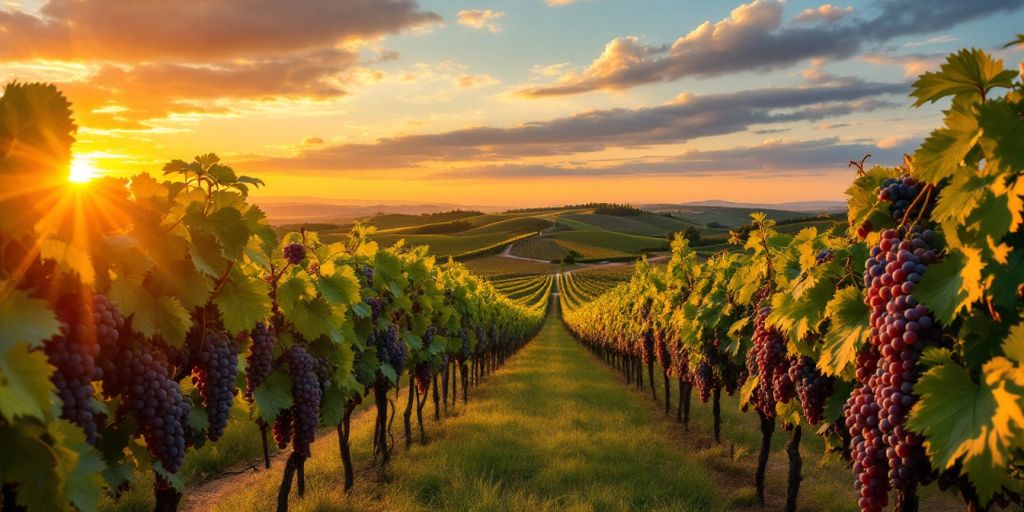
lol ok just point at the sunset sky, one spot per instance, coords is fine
(507, 102)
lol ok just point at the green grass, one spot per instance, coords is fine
(498, 265)
(613, 240)
(549, 432)
(539, 248)
(644, 225)
(400, 220)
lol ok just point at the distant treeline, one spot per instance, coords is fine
(615, 209)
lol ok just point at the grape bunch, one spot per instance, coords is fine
(136, 372)
(866, 447)
(705, 379)
(783, 386)
(323, 369)
(306, 398)
(647, 347)
(661, 350)
(768, 359)
(464, 349)
(422, 376)
(260, 360)
(395, 348)
(216, 366)
(294, 253)
(283, 428)
(680, 365)
(376, 307)
(900, 330)
(366, 271)
(824, 256)
(87, 324)
(900, 193)
(812, 387)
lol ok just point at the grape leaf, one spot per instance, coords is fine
(24, 319)
(967, 71)
(978, 424)
(70, 258)
(242, 302)
(273, 396)
(314, 318)
(25, 387)
(206, 254)
(83, 466)
(960, 197)
(942, 153)
(341, 287)
(151, 315)
(332, 407)
(952, 284)
(848, 333)
(1003, 138)
(37, 471)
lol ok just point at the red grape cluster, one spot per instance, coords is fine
(900, 329)
(769, 358)
(661, 349)
(87, 324)
(216, 366)
(283, 428)
(867, 450)
(294, 253)
(812, 387)
(260, 360)
(783, 386)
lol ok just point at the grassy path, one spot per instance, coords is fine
(549, 431)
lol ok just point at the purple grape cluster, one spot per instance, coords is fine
(900, 193)
(769, 357)
(464, 348)
(306, 399)
(87, 324)
(214, 373)
(324, 371)
(395, 348)
(824, 256)
(366, 271)
(376, 307)
(812, 387)
(260, 360)
(137, 373)
(294, 253)
(705, 379)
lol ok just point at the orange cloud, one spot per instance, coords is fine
(484, 19)
(825, 12)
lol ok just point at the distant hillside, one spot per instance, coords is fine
(795, 206)
(297, 210)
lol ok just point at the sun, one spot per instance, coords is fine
(82, 170)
